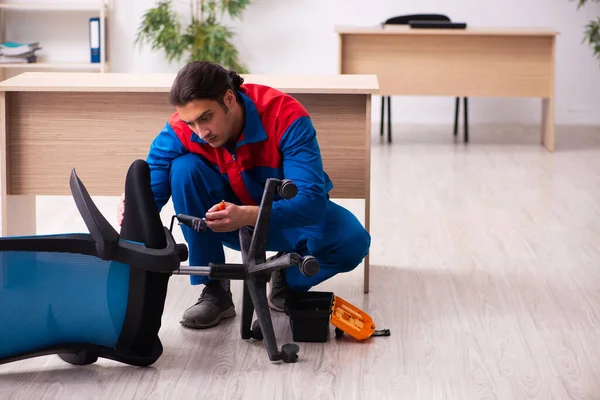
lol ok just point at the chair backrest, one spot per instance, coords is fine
(405, 19)
(84, 296)
(147, 289)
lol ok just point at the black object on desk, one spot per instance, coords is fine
(437, 25)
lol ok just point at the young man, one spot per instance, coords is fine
(222, 143)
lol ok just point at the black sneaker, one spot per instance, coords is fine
(280, 291)
(215, 303)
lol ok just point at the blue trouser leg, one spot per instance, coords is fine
(195, 187)
(339, 242)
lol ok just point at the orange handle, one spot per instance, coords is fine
(222, 205)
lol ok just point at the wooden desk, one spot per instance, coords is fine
(453, 62)
(99, 123)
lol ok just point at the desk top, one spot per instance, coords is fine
(406, 30)
(128, 82)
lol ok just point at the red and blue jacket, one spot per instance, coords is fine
(278, 141)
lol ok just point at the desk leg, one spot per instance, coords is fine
(366, 259)
(548, 123)
(18, 212)
(366, 279)
(368, 128)
(18, 215)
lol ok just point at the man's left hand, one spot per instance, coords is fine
(233, 217)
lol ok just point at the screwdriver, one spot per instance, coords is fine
(197, 224)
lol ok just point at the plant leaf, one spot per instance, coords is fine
(581, 3)
(234, 8)
(592, 36)
(216, 46)
(160, 28)
(204, 38)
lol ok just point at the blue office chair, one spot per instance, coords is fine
(405, 20)
(101, 294)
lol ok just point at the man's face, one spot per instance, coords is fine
(209, 119)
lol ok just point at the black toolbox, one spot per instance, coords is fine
(310, 315)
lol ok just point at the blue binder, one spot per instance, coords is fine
(95, 39)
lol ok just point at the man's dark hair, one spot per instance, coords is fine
(203, 80)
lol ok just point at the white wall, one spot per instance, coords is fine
(303, 49)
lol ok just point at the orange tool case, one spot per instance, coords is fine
(353, 321)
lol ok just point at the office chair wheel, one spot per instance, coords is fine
(287, 189)
(256, 331)
(309, 266)
(82, 357)
(289, 353)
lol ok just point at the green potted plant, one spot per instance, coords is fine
(592, 31)
(201, 37)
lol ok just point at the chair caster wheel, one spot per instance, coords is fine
(309, 266)
(256, 330)
(289, 353)
(287, 189)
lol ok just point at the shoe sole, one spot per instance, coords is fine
(274, 307)
(229, 313)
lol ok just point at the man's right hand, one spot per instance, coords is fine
(121, 210)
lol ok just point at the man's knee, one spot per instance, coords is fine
(354, 247)
(341, 249)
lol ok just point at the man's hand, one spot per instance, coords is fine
(230, 218)
(121, 210)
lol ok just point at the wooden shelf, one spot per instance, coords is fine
(80, 66)
(98, 7)
(64, 6)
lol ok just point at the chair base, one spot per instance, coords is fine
(255, 271)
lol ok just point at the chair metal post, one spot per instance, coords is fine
(245, 235)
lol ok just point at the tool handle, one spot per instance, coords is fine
(197, 224)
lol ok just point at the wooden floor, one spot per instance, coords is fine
(485, 267)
